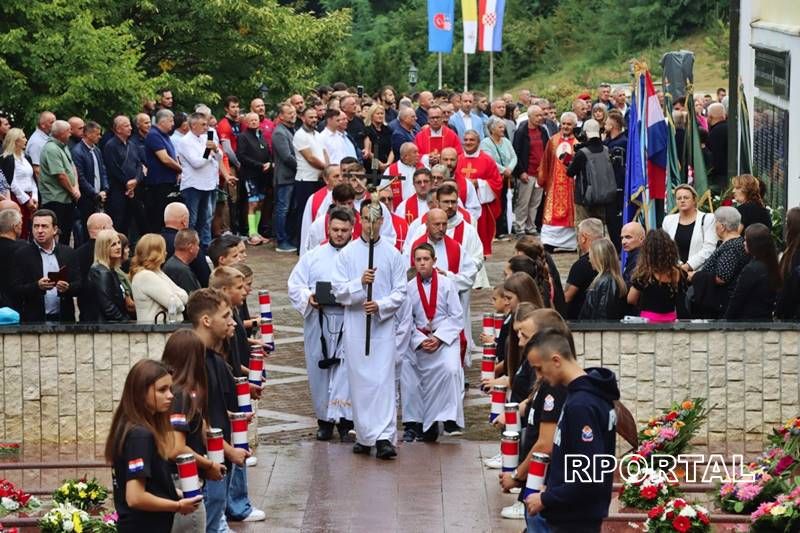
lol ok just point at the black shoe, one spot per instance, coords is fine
(385, 450)
(325, 431)
(361, 449)
(411, 432)
(344, 428)
(432, 434)
(452, 429)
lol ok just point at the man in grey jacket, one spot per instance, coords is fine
(285, 162)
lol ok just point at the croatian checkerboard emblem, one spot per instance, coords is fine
(586, 434)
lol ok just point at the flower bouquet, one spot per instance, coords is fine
(782, 515)
(14, 500)
(678, 515)
(768, 473)
(648, 487)
(787, 437)
(670, 433)
(81, 493)
(65, 517)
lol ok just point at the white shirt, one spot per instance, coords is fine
(198, 173)
(23, 185)
(467, 118)
(35, 145)
(52, 303)
(337, 145)
(304, 139)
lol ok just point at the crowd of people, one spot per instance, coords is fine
(393, 206)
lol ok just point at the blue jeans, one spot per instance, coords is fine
(215, 498)
(239, 506)
(201, 210)
(535, 523)
(283, 197)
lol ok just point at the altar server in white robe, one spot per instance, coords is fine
(437, 327)
(372, 374)
(328, 381)
(319, 202)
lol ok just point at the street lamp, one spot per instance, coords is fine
(263, 90)
(412, 75)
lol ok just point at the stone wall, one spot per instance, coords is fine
(747, 372)
(59, 385)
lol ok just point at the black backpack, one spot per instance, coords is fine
(596, 185)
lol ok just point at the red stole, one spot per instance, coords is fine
(396, 186)
(429, 304)
(316, 202)
(451, 247)
(483, 167)
(412, 209)
(401, 230)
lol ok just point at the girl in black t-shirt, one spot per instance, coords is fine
(658, 282)
(138, 445)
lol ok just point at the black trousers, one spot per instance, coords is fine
(65, 215)
(155, 200)
(578, 527)
(303, 190)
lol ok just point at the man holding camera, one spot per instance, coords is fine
(310, 294)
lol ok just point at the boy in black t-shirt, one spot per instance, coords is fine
(211, 316)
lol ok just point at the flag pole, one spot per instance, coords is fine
(491, 76)
(466, 73)
(440, 70)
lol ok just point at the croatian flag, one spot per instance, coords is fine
(469, 13)
(440, 25)
(657, 142)
(490, 27)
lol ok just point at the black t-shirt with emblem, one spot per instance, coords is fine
(140, 460)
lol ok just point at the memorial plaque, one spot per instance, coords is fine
(770, 150)
(772, 71)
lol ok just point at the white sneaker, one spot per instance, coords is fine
(495, 463)
(515, 490)
(514, 512)
(256, 515)
(252, 461)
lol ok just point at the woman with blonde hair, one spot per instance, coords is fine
(749, 201)
(106, 296)
(378, 143)
(154, 293)
(18, 172)
(605, 297)
(693, 231)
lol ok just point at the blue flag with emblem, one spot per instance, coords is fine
(440, 25)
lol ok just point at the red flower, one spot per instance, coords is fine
(681, 524)
(703, 518)
(649, 492)
(670, 515)
(785, 462)
(679, 504)
(655, 512)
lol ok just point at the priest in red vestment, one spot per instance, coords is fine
(558, 217)
(435, 137)
(477, 169)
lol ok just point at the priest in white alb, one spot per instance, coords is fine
(371, 366)
(318, 203)
(343, 196)
(438, 322)
(323, 324)
(405, 167)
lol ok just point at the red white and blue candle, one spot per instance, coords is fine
(243, 395)
(537, 470)
(215, 446)
(498, 401)
(488, 324)
(239, 430)
(267, 334)
(187, 475)
(499, 318)
(487, 361)
(264, 304)
(256, 367)
(512, 417)
(509, 450)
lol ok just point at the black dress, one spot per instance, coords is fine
(381, 140)
(752, 213)
(754, 297)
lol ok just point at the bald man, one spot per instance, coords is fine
(76, 127)
(10, 204)
(10, 231)
(718, 144)
(35, 144)
(425, 102)
(176, 218)
(632, 237)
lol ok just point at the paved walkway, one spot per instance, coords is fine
(324, 487)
